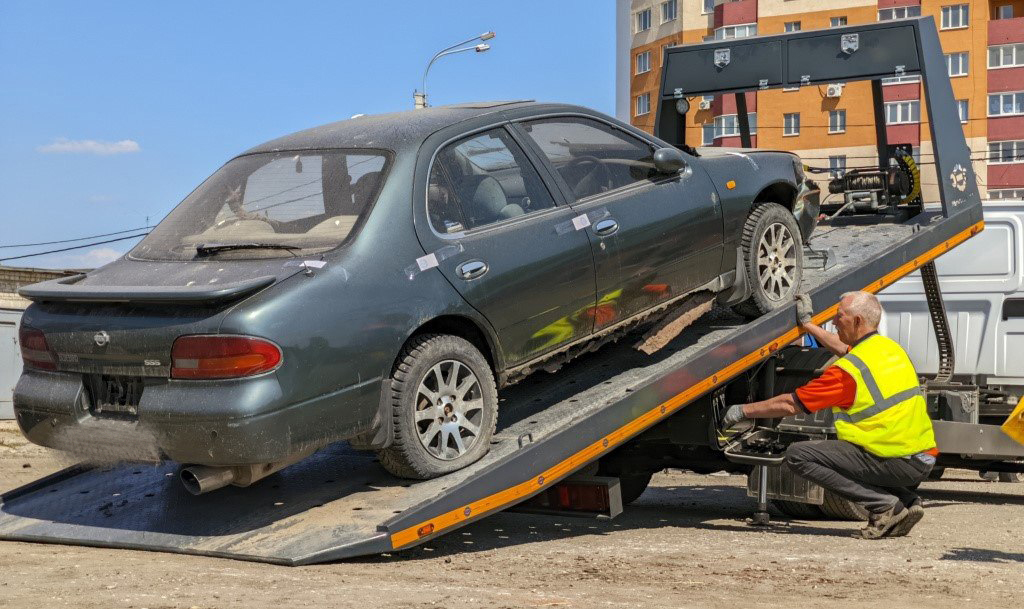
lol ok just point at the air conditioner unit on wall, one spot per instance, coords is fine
(835, 90)
(704, 105)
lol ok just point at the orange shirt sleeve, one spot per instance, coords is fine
(834, 388)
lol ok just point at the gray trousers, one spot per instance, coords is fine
(876, 483)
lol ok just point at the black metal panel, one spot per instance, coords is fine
(693, 69)
(820, 58)
(1013, 307)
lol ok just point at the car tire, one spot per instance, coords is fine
(841, 508)
(632, 486)
(430, 371)
(795, 509)
(772, 230)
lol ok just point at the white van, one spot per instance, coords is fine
(983, 287)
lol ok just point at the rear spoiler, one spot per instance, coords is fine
(65, 290)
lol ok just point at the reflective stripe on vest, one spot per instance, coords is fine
(893, 426)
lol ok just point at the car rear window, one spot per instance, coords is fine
(307, 201)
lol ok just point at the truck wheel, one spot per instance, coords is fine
(803, 511)
(444, 405)
(632, 486)
(840, 508)
(772, 259)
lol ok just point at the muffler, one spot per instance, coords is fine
(199, 479)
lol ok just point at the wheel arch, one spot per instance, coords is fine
(467, 328)
(781, 192)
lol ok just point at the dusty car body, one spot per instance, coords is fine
(284, 303)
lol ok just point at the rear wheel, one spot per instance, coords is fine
(444, 405)
(803, 511)
(840, 508)
(632, 486)
(772, 259)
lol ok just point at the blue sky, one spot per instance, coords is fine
(111, 112)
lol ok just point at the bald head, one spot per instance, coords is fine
(864, 305)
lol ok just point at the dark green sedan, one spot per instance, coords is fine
(378, 279)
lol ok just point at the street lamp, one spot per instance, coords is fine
(420, 97)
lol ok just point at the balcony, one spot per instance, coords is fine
(1003, 31)
(735, 12)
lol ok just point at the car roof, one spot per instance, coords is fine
(395, 130)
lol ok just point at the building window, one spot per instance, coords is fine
(669, 10)
(900, 12)
(643, 104)
(957, 64)
(1004, 12)
(792, 26)
(1006, 104)
(837, 165)
(727, 125)
(837, 121)
(837, 22)
(1006, 193)
(961, 108)
(1006, 152)
(736, 31)
(791, 124)
(1006, 56)
(643, 62)
(899, 113)
(709, 7)
(955, 16)
(643, 20)
(708, 134)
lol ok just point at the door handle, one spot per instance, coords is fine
(605, 227)
(472, 269)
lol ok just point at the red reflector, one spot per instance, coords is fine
(222, 357)
(425, 530)
(34, 350)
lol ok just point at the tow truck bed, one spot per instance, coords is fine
(340, 503)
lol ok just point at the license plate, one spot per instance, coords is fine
(114, 395)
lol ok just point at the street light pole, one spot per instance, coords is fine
(420, 97)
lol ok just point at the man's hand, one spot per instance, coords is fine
(804, 312)
(733, 416)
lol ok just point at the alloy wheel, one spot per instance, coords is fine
(449, 409)
(776, 261)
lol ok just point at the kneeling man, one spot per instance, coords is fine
(886, 444)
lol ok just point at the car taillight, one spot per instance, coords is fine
(34, 350)
(222, 357)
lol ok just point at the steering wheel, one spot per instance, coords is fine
(598, 170)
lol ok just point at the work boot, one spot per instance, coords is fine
(881, 523)
(915, 512)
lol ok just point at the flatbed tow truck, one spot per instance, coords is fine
(588, 438)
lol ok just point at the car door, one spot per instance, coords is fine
(654, 236)
(507, 246)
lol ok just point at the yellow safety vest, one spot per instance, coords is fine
(889, 416)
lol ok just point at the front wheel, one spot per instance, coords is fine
(445, 407)
(772, 259)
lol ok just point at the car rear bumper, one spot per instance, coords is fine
(233, 422)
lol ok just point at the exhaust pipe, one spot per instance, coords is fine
(199, 479)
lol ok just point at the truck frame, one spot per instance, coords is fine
(607, 420)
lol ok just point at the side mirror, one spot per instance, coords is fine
(669, 160)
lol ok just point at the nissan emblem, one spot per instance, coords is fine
(101, 338)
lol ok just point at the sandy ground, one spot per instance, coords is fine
(684, 543)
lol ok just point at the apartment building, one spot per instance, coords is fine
(833, 126)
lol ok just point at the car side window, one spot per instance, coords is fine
(480, 180)
(590, 156)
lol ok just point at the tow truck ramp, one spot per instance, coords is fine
(339, 503)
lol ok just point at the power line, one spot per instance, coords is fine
(76, 247)
(120, 232)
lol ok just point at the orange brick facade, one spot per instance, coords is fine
(971, 30)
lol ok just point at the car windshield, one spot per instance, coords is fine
(268, 205)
